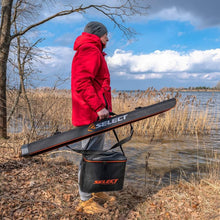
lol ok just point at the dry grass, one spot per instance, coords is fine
(187, 118)
(52, 110)
(185, 200)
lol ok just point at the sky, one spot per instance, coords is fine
(177, 44)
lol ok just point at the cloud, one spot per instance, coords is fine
(163, 66)
(65, 39)
(56, 65)
(51, 8)
(201, 13)
(160, 64)
(174, 13)
(69, 19)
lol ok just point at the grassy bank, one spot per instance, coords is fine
(46, 188)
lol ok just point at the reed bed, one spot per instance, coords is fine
(51, 111)
(187, 118)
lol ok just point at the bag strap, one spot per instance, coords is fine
(123, 141)
(118, 144)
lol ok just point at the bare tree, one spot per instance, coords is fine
(24, 55)
(9, 14)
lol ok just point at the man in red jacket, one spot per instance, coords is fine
(91, 93)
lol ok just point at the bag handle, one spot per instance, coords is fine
(118, 144)
(123, 141)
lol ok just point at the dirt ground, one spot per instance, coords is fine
(42, 188)
(36, 188)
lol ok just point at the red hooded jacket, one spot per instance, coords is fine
(90, 81)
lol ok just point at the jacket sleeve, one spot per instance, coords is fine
(86, 66)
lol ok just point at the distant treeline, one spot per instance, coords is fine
(172, 89)
(199, 88)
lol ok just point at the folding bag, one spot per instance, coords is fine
(102, 172)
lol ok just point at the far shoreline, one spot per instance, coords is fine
(171, 90)
(200, 90)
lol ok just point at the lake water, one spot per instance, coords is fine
(171, 158)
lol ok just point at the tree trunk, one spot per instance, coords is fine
(5, 39)
(15, 104)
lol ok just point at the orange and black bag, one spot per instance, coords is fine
(104, 170)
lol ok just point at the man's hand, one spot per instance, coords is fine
(104, 113)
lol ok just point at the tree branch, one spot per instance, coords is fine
(126, 9)
(59, 14)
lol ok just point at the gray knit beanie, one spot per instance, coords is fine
(96, 28)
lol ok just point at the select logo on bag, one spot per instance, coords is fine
(106, 182)
(111, 121)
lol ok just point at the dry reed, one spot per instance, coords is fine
(187, 118)
(51, 111)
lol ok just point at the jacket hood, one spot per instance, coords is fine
(86, 38)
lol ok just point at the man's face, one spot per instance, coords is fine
(104, 39)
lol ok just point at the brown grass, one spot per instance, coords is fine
(52, 111)
(187, 118)
(185, 200)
